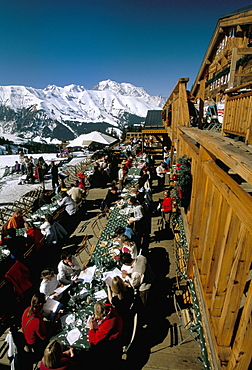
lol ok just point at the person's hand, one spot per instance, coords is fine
(69, 352)
(124, 274)
(92, 323)
(56, 294)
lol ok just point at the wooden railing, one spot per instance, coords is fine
(238, 116)
(218, 228)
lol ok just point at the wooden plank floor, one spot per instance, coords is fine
(156, 347)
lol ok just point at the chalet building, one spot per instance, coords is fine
(214, 238)
(153, 134)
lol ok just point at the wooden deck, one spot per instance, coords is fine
(156, 347)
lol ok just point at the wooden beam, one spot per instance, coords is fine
(155, 131)
(244, 51)
(242, 74)
(233, 68)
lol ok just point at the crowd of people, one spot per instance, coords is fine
(128, 294)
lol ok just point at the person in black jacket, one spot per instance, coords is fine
(55, 175)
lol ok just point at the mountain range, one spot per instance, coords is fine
(66, 112)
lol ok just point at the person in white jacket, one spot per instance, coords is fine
(68, 269)
(49, 283)
(52, 230)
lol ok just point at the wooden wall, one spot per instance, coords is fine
(218, 225)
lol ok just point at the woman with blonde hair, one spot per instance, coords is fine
(121, 296)
(105, 325)
(55, 358)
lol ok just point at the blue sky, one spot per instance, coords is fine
(149, 43)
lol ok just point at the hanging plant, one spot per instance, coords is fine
(183, 183)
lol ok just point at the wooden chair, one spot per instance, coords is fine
(96, 227)
(187, 320)
(83, 246)
(29, 251)
(90, 255)
(83, 227)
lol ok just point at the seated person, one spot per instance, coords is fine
(45, 198)
(120, 230)
(34, 234)
(68, 269)
(67, 202)
(55, 358)
(17, 220)
(121, 296)
(52, 230)
(17, 245)
(129, 163)
(128, 246)
(33, 326)
(76, 193)
(105, 325)
(49, 284)
(112, 196)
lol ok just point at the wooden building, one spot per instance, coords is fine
(154, 136)
(227, 67)
(217, 221)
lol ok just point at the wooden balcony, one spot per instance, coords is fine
(218, 225)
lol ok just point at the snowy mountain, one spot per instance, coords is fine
(65, 112)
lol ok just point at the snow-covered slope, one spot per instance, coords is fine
(108, 101)
(104, 102)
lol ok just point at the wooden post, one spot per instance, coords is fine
(183, 106)
(233, 68)
(201, 98)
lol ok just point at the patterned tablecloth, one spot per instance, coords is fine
(103, 253)
(83, 297)
(133, 175)
(80, 308)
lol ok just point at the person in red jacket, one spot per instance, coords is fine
(33, 326)
(106, 324)
(34, 234)
(104, 336)
(166, 207)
